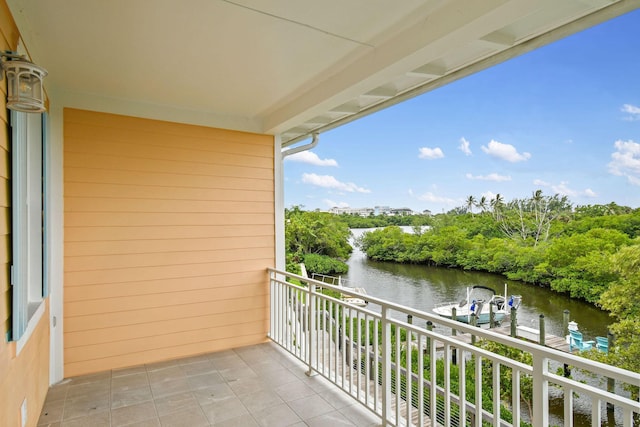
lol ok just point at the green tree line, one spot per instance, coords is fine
(590, 252)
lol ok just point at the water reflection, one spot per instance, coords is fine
(422, 287)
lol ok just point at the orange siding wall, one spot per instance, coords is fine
(168, 231)
(23, 376)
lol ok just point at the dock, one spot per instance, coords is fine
(551, 341)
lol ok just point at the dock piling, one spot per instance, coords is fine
(514, 322)
(542, 330)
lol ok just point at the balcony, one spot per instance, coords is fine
(324, 367)
(363, 351)
(259, 385)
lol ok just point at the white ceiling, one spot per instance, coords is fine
(279, 66)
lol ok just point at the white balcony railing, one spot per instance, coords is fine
(363, 351)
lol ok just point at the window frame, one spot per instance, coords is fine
(28, 142)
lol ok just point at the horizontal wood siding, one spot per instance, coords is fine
(25, 375)
(169, 229)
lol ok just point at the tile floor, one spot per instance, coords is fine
(252, 386)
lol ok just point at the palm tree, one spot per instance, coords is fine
(482, 203)
(496, 205)
(471, 202)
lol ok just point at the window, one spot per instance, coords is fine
(27, 225)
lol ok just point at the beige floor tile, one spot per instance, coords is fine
(51, 412)
(241, 421)
(188, 418)
(94, 420)
(166, 388)
(224, 410)
(79, 408)
(130, 396)
(176, 402)
(134, 413)
(277, 416)
(260, 400)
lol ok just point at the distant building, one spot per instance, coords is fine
(426, 212)
(351, 211)
(401, 212)
(378, 210)
(381, 210)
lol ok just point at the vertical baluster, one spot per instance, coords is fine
(515, 393)
(496, 393)
(367, 330)
(376, 365)
(447, 385)
(420, 409)
(396, 360)
(478, 382)
(343, 343)
(409, 374)
(462, 388)
(311, 325)
(596, 411)
(433, 402)
(386, 365)
(540, 390)
(359, 358)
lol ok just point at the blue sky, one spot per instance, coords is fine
(564, 119)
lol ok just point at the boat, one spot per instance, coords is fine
(479, 305)
(339, 281)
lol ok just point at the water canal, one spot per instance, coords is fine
(422, 287)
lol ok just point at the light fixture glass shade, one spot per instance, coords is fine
(24, 86)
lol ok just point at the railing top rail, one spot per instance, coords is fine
(536, 350)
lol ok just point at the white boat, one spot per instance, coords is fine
(478, 305)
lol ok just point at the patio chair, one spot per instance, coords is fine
(602, 344)
(576, 342)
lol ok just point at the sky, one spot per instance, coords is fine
(564, 119)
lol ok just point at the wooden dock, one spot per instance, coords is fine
(551, 341)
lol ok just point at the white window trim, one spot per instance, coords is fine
(31, 326)
(28, 304)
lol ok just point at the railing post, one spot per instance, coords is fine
(540, 391)
(311, 325)
(492, 317)
(428, 344)
(386, 365)
(542, 330)
(474, 322)
(454, 316)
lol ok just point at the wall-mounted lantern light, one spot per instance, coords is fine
(24, 83)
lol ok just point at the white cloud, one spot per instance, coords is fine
(328, 181)
(310, 158)
(563, 189)
(541, 183)
(505, 152)
(625, 161)
(465, 147)
(491, 177)
(632, 111)
(430, 153)
(430, 197)
(333, 204)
